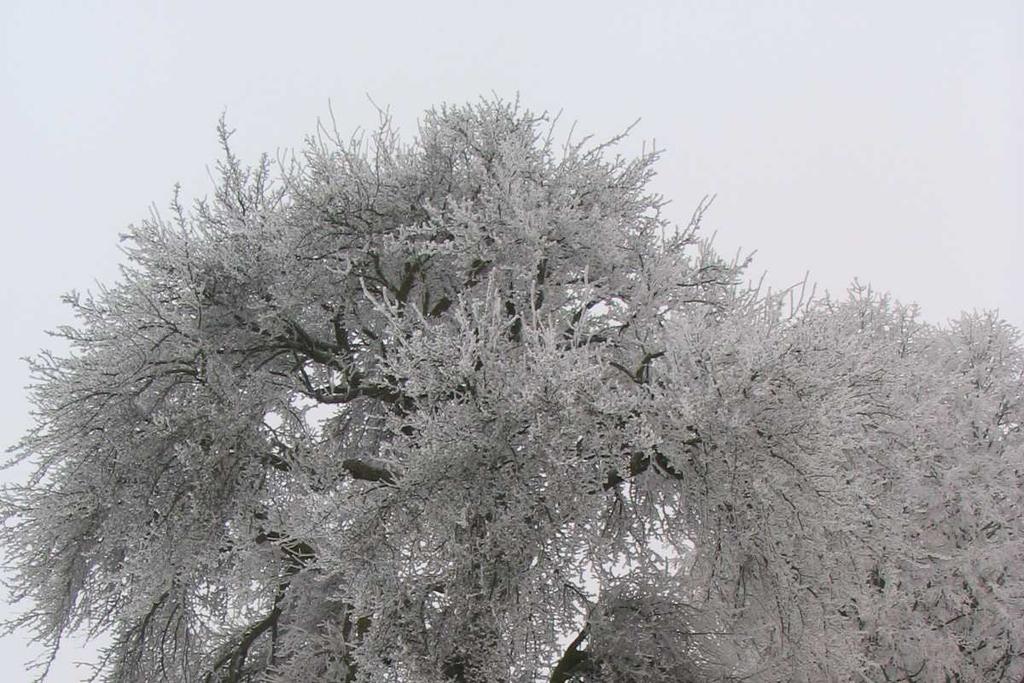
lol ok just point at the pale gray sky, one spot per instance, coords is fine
(877, 140)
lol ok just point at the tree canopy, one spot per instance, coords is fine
(469, 409)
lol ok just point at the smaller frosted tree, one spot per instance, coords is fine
(469, 409)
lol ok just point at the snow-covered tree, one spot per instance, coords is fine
(469, 409)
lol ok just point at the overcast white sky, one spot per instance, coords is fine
(878, 140)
